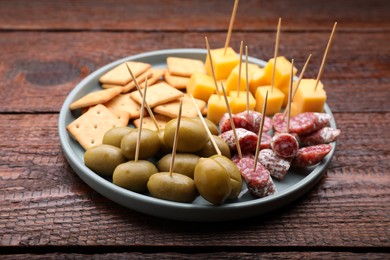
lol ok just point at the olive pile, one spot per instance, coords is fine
(197, 169)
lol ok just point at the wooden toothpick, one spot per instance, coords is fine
(275, 54)
(289, 96)
(231, 25)
(298, 83)
(205, 127)
(325, 55)
(150, 112)
(212, 67)
(260, 133)
(239, 70)
(176, 137)
(140, 122)
(232, 122)
(247, 80)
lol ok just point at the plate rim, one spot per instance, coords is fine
(204, 213)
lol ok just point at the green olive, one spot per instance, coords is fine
(149, 144)
(102, 159)
(211, 126)
(212, 181)
(208, 150)
(114, 135)
(134, 175)
(234, 173)
(192, 135)
(184, 163)
(174, 187)
(164, 148)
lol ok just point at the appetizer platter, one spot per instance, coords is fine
(297, 182)
(160, 133)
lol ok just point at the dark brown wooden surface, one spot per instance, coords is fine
(47, 47)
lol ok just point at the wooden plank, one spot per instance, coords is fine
(43, 202)
(252, 15)
(44, 67)
(213, 255)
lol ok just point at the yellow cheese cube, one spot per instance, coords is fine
(223, 62)
(309, 100)
(282, 72)
(258, 79)
(216, 108)
(238, 102)
(232, 80)
(201, 86)
(295, 110)
(275, 100)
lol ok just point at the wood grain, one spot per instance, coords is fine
(198, 255)
(187, 15)
(44, 67)
(43, 202)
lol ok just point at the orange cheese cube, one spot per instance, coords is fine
(282, 72)
(275, 100)
(309, 100)
(238, 102)
(258, 79)
(201, 86)
(223, 62)
(232, 80)
(216, 108)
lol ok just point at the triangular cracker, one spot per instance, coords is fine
(90, 127)
(120, 75)
(184, 67)
(171, 109)
(158, 94)
(94, 98)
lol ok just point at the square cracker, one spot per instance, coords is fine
(149, 124)
(90, 127)
(171, 109)
(184, 67)
(94, 98)
(176, 81)
(121, 115)
(158, 94)
(125, 103)
(153, 76)
(120, 74)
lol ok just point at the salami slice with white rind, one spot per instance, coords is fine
(277, 166)
(246, 139)
(248, 120)
(259, 182)
(301, 124)
(325, 135)
(284, 145)
(311, 155)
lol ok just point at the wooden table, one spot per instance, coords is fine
(47, 47)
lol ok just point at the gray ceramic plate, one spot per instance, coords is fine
(295, 184)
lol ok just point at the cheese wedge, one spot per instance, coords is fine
(258, 79)
(223, 62)
(216, 108)
(274, 103)
(282, 72)
(309, 100)
(232, 80)
(238, 102)
(201, 86)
